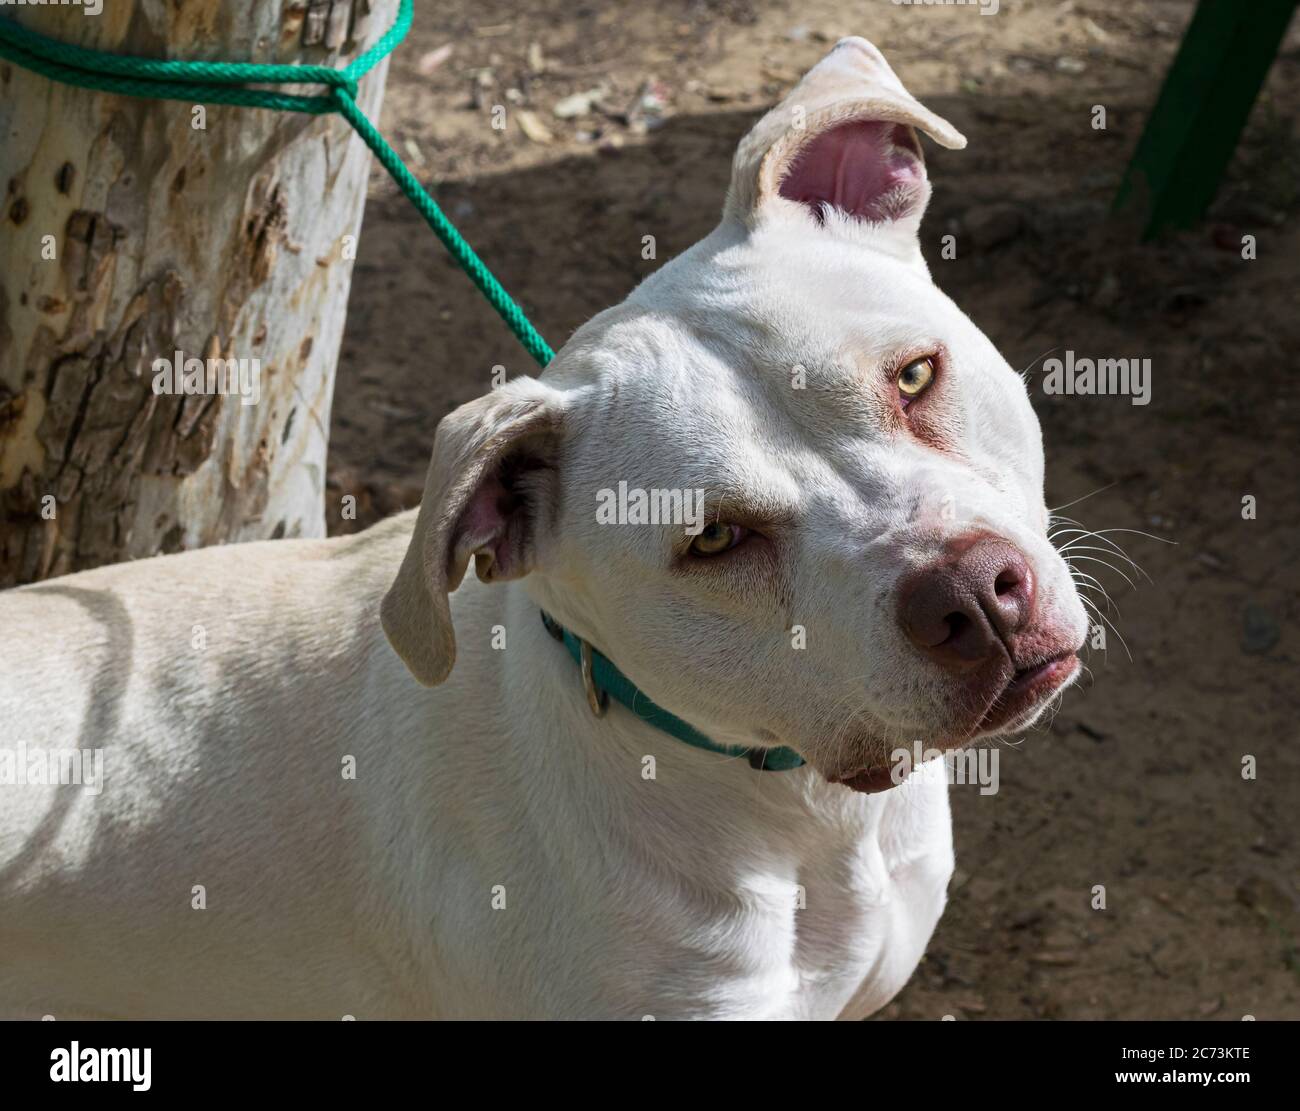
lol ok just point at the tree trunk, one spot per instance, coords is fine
(129, 235)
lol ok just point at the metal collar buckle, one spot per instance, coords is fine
(597, 699)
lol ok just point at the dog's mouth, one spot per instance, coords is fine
(1026, 691)
(1022, 695)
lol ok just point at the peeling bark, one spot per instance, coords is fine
(225, 243)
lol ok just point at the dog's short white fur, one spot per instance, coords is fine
(501, 851)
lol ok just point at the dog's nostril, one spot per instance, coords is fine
(1006, 582)
(957, 623)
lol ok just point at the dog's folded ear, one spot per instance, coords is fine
(489, 493)
(842, 140)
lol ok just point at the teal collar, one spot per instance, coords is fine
(601, 680)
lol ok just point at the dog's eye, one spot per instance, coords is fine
(915, 377)
(717, 538)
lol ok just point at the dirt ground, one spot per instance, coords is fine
(1137, 784)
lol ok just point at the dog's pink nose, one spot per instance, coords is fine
(958, 609)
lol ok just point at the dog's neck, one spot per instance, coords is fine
(569, 606)
(603, 681)
(622, 749)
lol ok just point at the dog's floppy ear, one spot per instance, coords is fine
(842, 139)
(487, 495)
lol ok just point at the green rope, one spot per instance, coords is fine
(224, 83)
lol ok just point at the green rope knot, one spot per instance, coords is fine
(226, 83)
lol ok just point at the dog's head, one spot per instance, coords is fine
(869, 564)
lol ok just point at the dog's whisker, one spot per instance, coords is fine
(1139, 532)
(1112, 548)
(1058, 700)
(1111, 607)
(1084, 581)
(1099, 490)
(1024, 374)
(1111, 604)
(1110, 625)
(1111, 566)
(1081, 534)
(1094, 585)
(1103, 551)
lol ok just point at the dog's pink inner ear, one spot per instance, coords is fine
(870, 169)
(492, 529)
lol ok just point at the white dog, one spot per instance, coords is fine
(288, 824)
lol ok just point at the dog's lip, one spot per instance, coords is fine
(871, 781)
(1026, 688)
